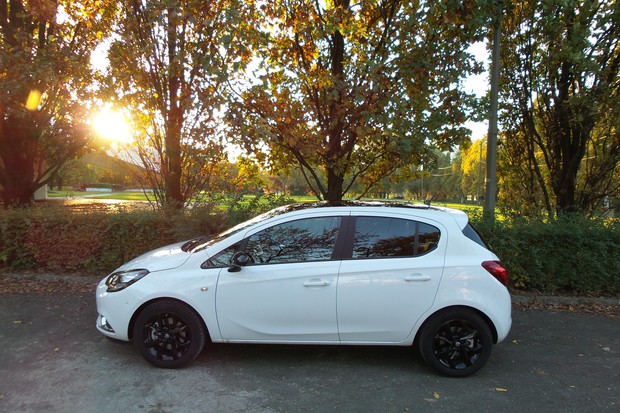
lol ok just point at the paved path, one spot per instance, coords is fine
(53, 360)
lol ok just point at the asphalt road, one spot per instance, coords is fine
(53, 360)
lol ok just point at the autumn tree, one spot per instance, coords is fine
(561, 84)
(168, 64)
(352, 91)
(473, 168)
(524, 181)
(45, 73)
(454, 190)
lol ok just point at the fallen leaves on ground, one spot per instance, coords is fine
(34, 285)
(585, 308)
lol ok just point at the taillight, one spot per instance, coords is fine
(497, 270)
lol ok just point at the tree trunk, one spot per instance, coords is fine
(17, 157)
(172, 179)
(335, 170)
(174, 122)
(334, 186)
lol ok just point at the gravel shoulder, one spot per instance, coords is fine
(54, 360)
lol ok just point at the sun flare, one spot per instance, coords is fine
(112, 125)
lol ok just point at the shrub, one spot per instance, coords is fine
(93, 241)
(570, 255)
(14, 250)
(64, 242)
(240, 208)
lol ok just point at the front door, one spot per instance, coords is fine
(288, 291)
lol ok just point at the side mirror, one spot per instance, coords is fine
(239, 259)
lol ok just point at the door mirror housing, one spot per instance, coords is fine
(239, 260)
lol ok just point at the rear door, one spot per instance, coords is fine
(391, 277)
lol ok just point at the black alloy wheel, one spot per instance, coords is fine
(169, 334)
(456, 342)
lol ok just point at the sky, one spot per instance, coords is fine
(479, 85)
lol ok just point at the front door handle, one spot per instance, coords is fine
(417, 278)
(316, 283)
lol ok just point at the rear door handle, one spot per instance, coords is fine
(316, 283)
(417, 278)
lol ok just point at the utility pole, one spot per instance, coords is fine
(478, 192)
(491, 180)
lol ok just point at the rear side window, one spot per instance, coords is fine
(379, 237)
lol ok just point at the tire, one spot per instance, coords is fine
(456, 342)
(169, 334)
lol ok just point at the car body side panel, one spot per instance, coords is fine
(476, 288)
(196, 288)
(382, 305)
(279, 303)
(466, 283)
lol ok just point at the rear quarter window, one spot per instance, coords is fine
(470, 232)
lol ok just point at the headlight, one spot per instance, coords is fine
(123, 279)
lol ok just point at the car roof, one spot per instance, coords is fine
(460, 217)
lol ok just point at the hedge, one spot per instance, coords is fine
(90, 242)
(572, 255)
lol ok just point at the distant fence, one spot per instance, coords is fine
(99, 187)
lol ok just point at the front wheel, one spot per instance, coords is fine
(169, 334)
(456, 342)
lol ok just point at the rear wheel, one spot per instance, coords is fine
(456, 342)
(169, 334)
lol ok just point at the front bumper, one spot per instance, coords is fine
(114, 312)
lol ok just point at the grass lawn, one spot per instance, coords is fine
(124, 196)
(65, 194)
(140, 196)
(119, 196)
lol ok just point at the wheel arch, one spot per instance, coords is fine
(482, 315)
(136, 313)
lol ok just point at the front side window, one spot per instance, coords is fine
(378, 237)
(224, 257)
(309, 239)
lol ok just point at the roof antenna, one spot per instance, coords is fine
(428, 201)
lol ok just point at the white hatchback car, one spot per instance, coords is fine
(356, 273)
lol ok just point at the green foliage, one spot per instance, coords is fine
(473, 168)
(240, 208)
(570, 255)
(560, 95)
(14, 251)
